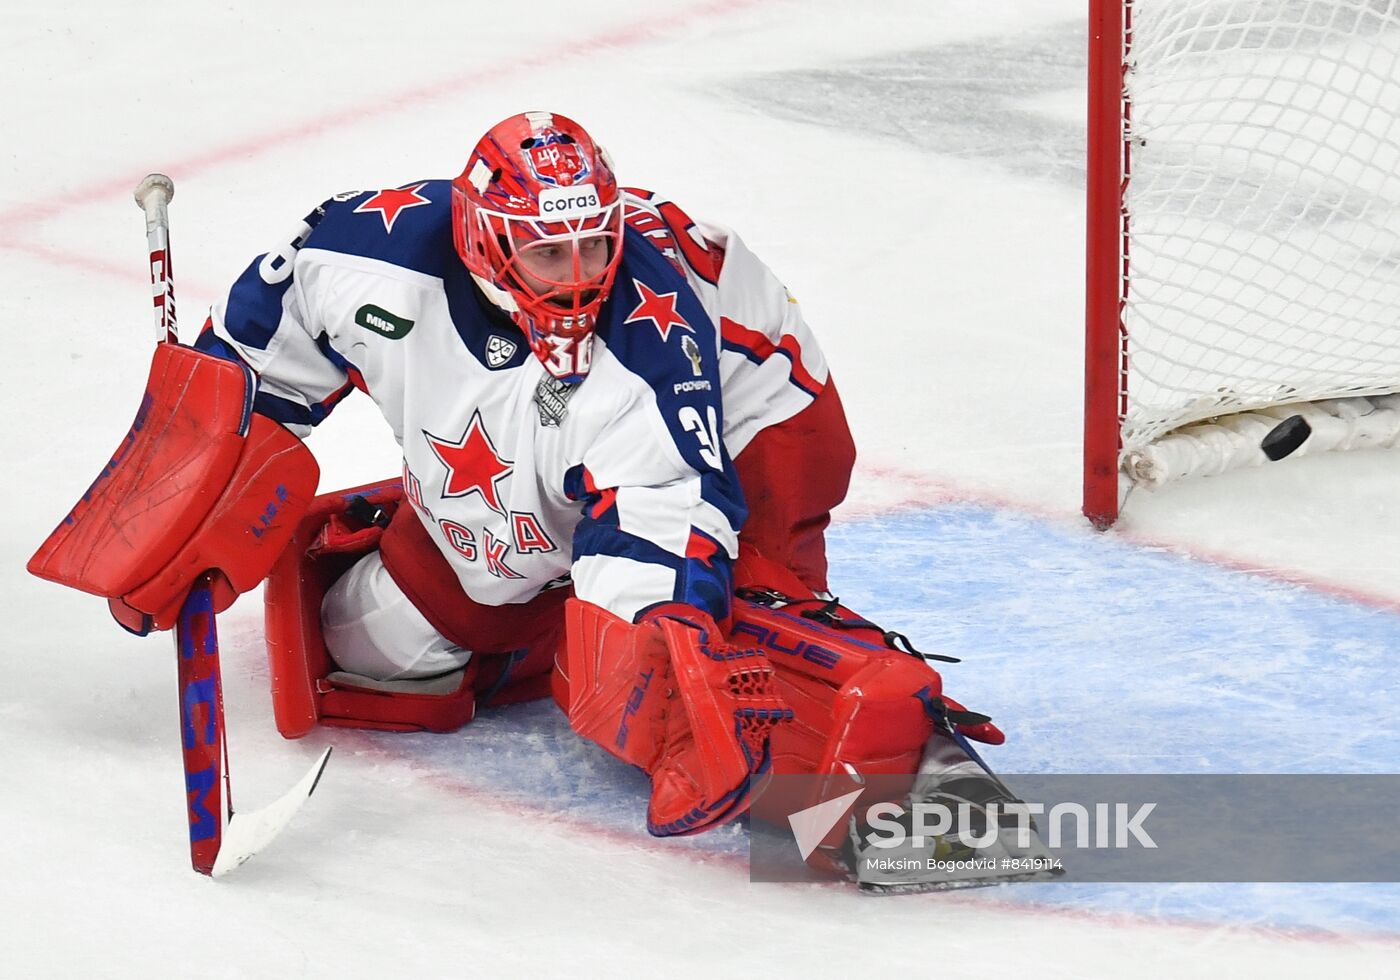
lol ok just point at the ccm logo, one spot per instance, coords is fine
(773, 640)
(568, 202)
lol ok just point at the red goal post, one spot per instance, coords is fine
(1243, 234)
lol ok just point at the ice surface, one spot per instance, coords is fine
(909, 171)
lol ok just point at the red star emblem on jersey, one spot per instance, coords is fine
(389, 203)
(473, 465)
(659, 308)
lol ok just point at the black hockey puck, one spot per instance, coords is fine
(1284, 438)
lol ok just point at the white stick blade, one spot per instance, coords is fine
(248, 833)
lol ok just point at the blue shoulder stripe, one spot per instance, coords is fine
(291, 413)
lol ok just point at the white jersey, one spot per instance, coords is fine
(622, 482)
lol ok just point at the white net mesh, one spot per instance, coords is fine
(1263, 206)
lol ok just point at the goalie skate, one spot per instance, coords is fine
(983, 834)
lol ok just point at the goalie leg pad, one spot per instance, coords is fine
(861, 704)
(308, 689)
(439, 704)
(695, 714)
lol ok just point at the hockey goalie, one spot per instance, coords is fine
(621, 445)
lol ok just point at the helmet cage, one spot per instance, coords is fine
(557, 305)
(537, 220)
(541, 264)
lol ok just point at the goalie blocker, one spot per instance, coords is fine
(199, 484)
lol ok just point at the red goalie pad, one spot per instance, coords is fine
(695, 714)
(860, 704)
(308, 689)
(198, 484)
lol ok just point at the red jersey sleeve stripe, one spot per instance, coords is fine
(759, 348)
(701, 547)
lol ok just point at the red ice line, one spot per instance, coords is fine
(371, 746)
(925, 491)
(16, 226)
(17, 223)
(17, 220)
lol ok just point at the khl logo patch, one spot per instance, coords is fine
(499, 350)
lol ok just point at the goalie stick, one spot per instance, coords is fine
(220, 840)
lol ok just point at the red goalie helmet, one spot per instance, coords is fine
(537, 219)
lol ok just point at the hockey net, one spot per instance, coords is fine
(1244, 232)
